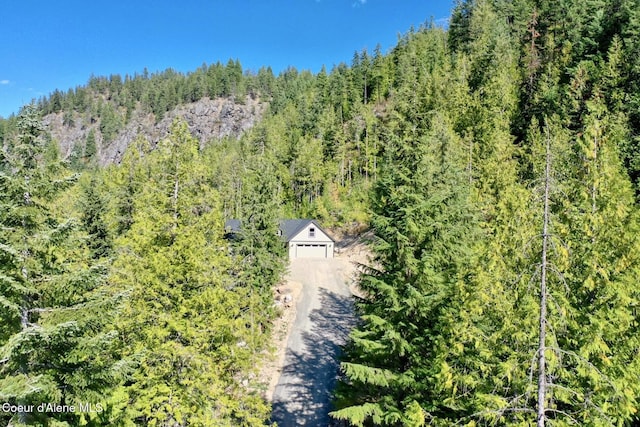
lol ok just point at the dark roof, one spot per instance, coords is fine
(232, 226)
(288, 227)
(291, 227)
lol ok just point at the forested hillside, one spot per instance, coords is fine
(505, 285)
(496, 162)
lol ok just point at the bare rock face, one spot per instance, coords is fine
(208, 119)
(66, 135)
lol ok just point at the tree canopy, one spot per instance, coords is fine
(496, 162)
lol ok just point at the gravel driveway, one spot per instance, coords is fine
(324, 318)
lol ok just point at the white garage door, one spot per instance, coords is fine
(311, 251)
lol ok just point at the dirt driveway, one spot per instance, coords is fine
(323, 320)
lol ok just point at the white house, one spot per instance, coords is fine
(306, 239)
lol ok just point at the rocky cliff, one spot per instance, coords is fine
(208, 119)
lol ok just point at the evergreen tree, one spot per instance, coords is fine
(258, 248)
(93, 207)
(90, 148)
(57, 344)
(425, 223)
(185, 320)
(125, 182)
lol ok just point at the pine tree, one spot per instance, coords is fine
(258, 249)
(57, 345)
(185, 319)
(125, 182)
(93, 207)
(90, 148)
(596, 343)
(425, 223)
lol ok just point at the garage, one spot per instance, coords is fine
(311, 250)
(306, 239)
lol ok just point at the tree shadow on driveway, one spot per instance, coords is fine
(303, 394)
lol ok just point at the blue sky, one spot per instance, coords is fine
(60, 44)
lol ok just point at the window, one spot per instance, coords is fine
(312, 232)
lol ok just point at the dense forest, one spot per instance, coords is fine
(496, 161)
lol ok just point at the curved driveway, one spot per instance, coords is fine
(324, 318)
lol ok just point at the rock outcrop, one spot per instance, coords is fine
(208, 120)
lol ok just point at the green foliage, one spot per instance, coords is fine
(449, 332)
(110, 122)
(438, 145)
(90, 148)
(93, 207)
(186, 318)
(56, 340)
(258, 247)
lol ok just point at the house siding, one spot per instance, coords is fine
(311, 245)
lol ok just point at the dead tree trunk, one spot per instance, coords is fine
(542, 362)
